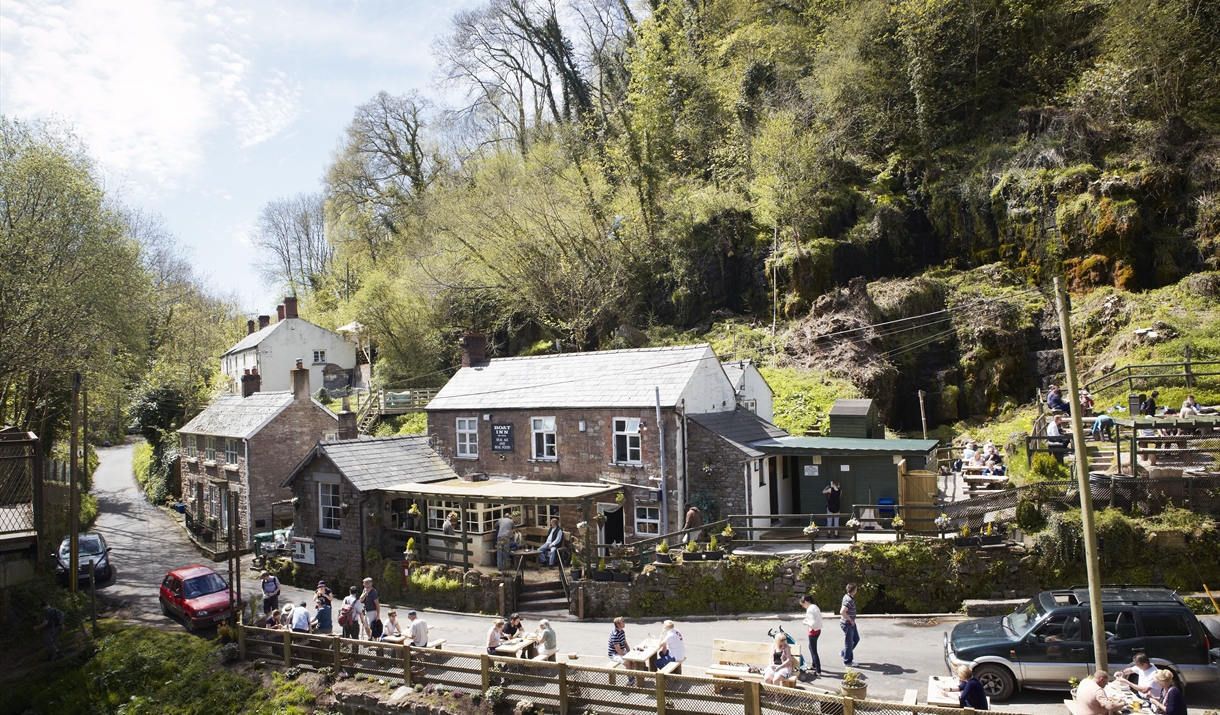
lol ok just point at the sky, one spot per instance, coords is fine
(203, 110)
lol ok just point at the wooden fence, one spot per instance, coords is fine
(561, 687)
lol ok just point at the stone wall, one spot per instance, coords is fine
(277, 449)
(716, 471)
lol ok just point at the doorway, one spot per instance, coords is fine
(612, 527)
(773, 486)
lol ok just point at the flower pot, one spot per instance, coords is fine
(622, 577)
(990, 540)
(860, 693)
(966, 541)
(692, 556)
(713, 555)
(664, 558)
(577, 574)
(601, 576)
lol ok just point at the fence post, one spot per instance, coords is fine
(660, 693)
(241, 640)
(338, 647)
(751, 698)
(1190, 380)
(563, 688)
(485, 668)
(288, 648)
(406, 665)
(849, 706)
(1190, 493)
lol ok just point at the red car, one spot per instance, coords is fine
(196, 594)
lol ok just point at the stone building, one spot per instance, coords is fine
(593, 418)
(248, 444)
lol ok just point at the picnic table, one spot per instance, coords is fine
(1115, 691)
(936, 694)
(520, 554)
(518, 647)
(644, 655)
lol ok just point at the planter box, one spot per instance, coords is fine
(622, 577)
(860, 693)
(978, 540)
(576, 574)
(713, 555)
(601, 576)
(664, 559)
(692, 556)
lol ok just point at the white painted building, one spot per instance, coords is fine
(753, 392)
(273, 349)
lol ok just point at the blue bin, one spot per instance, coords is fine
(886, 510)
(180, 507)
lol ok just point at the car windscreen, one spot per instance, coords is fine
(86, 546)
(203, 585)
(1022, 619)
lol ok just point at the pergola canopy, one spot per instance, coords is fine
(1196, 422)
(501, 490)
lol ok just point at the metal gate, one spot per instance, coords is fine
(20, 497)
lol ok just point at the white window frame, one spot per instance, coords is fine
(231, 451)
(649, 522)
(543, 440)
(629, 429)
(223, 496)
(467, 439)
(213, 502)
(544, 513)
(192, 446)
(319, 357)
(330, 505)
(209, 449)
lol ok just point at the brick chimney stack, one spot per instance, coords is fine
(251, 382)
(279, 312)
(300, 383)
(290, 307)
(250, 327)
(348, 428)
(263, 321)
(474, 349)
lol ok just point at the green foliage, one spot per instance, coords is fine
(1029, 517)
(20, 604)
(88, 511)
(803, 399)
(735, 585)
(408, 424)
(1047, 469)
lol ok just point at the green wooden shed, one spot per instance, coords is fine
(855, 419)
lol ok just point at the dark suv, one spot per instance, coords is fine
(1049, 639)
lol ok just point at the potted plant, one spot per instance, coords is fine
(898, 523)
(601, 574)
(663, 556)
(991, 535)
(409, 553)
(713, 552)
(692, 552)
(853, 685)
(375, 517)
(576, 571)
(943, 522)
(964, 538)
(411, 516)
(620, 497)
(811, 531)
(726, 538)
(620, 574)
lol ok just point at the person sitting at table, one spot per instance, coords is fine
(549, 551)
(417, 630)
(391, 632)
(513, 628)
(1055, 401)
(300, 618)
(322, 622)
(617, 648)
(495, 635)
(673, 648)
(972, 693)
(781, 661)
(1054, 428)
(548, 643)
(1091, 698)
(273, 620)
(1171, 702)
(1145, 683)
(1190, 408)
(286, 616)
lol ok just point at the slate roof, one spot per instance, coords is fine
(380, 462)
(255, 338)
(736, 372)
(604, 378)
(851, 407)
(240, 417)
(740, 428)
(843, 445)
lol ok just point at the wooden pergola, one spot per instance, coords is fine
(1206, 425)
(519, 492)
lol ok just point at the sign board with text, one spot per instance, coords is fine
(502, 438)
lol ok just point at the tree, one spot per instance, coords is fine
(291, 233)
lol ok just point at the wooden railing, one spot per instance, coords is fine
(1152, 371)
(562, 686)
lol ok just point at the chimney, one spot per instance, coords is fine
(347, 422)
(290, 307)
(474, 349)
(300, 383)
(279, 312)
(251, 383)
(263, 321)
(250, 326)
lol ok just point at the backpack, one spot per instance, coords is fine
(345, 615)
(55, 617)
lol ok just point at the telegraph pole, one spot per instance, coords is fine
(1082, 477)
(74, 486)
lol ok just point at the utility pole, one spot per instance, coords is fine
(923, 414)
(775, 278)
(84, 435)
(74, 486)
(237, 557)
(1082, 477)
(228, 508)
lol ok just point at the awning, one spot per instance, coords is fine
(847, 446)
(505, 491)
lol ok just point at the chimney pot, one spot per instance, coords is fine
(300, 383)
(250, 383)
(474, 349)
(290, 307)
(279, 312)
(250, 326)
(263, 321)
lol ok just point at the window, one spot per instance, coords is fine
(328, 508)
(1120, 625)
(230, 451)
(1061, 627)
(468, 438)
(319, 357)
(213, 508)
(647, 520)
(1164, 623)
(544, 513)
(627, 440)
(209, 448)
(543, 429)
(224, 510)
(192, 446)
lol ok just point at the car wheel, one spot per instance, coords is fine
(997, 681)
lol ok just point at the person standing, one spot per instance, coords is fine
(323, 592)
(350, 616)
(369, 599)
(417, 630)
(834, 503)
(847, 621)
(549, 551)
(504, 533)
(694, 520)
(271, 592)
(813, 623)
(53, 622)
(300, 618)
(673, 648)
(1148, 409)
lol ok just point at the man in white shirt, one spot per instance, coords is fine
(673, 648)
(504, 531)
(300, 618)
(813, 623)
(418, 630)
(1146, 685)
(1190, 408)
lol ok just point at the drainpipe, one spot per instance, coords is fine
(746, 472)
(683, 484)
(664, 483)
(249, 512)
(360, 518)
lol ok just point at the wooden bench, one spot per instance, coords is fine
(438, 644)
(544, 657)
(910, 697)
(732, 660)
(674, 667)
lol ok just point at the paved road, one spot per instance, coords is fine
(894, 653)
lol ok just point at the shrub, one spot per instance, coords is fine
(1046, 468)
(494, 695)
(229, 653)
(1029, 517)
(292, 673)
